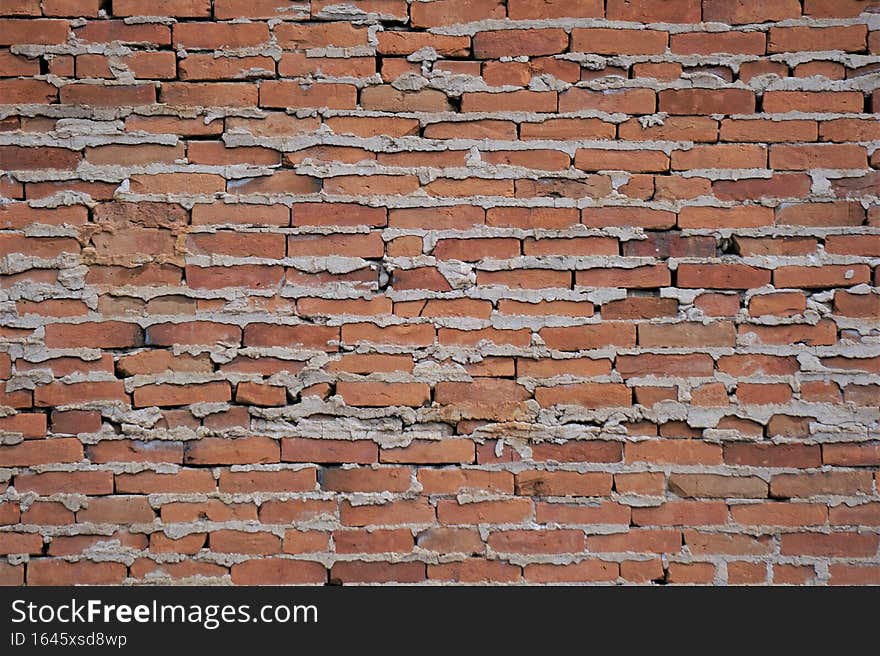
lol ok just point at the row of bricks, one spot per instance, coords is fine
(489, 44)
(778, 304)
(283, 571)
(31, 425)
(445, 12)
(406, 186)
(315, 337)
(211, 451)
(528, 276)
(479, 248)
(277, 245)
(593, 395)
(401, 542)
(345, 216)
(276, 126)
(165, 65)
(779, 157)
(741, 457)
(284, 184)
(275, 94)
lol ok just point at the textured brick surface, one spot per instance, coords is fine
(453, 291)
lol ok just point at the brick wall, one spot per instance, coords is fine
(461, 290)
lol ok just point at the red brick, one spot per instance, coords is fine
(636, 540)
(718, 486)
(589, 395)
(278, 571)
(705, 101)
(431, 452)
(511, 101)
(241, 542)
(819, 277)
(678, 513)
(20, 31)
(642, 571)
(353, 571)
(673, 452)
(702, 544)
(373, 541)
(194, 332)
(176, 8)
(106, 96)
(562, 483)
(372, 394)
(208, 94)
(719, 333)
(830, 544)
(47, 512)
(703, 43)
(750, 11)
(813, 101)
(188, 544)
(55, 394)
(117, 510)
(308, 336)
(329, 451)
(680, 573)
(804, 485)
(664, 365)
(779, 185)
(867, 514)
(110, 334)
(393, 512)
(52, 571)
(852, 454)
(406, 43)
(720, 156)
(576, 338)
(643, 277)
(221, 451)
(850, 38)
(175, 395)
(541, 9)
(446, 12)
(219, 36)
(475, 570)
(182, 481)
(268, 481)
(823, 333)
(40, 452)
(751, 130)
(515, 43)
(27, 424)
(854, 574)
(605, 41)
(537, 541)
(647, 11)
(508, 511)
(454, 481)
(20, 543)
(367, 479)
(785, 157)
(722, 276)
(629, 101)
(772, 455)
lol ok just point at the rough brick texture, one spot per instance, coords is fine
(462, 290)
